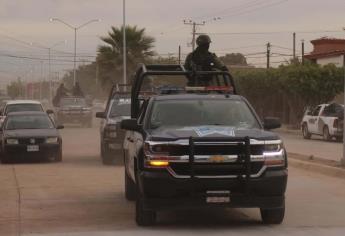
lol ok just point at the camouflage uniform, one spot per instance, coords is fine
(202, 60)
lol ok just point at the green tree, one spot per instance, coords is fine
(110, 56)
(234, 59)
(16, 89)
(287, 90)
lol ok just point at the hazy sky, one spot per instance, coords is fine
(28, 20)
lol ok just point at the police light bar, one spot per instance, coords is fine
(211, 88)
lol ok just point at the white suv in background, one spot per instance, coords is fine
(21, 105)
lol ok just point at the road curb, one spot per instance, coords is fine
(318, 168)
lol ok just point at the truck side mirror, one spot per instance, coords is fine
(49, 111)
(271, 123)
(100, 115)
(60, 127)
(131, 124)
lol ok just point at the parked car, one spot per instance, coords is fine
(326, 120)
(30, 135)
(201, 147)
(74, 110)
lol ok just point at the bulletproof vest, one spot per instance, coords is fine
(202, 61)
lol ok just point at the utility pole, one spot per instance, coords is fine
(302, 51)
(124, 46)
(342, 161)
(268, 54)
(194, 25)
(294, 45)
(179, 54)
(49, 76)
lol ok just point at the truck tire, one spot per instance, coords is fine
(106, 155)
(144, 217)
(272, 216)
(326, 135)
(4, 159)
(58, 155)
(305, 131)
(130, 188)
(339, 139)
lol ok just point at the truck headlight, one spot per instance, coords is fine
(112, 134)
(52, 140)
(110, 131)
(12, 141)
(274, 153)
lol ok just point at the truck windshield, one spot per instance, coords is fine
(175, 113)
(73, 102)
(121, 109)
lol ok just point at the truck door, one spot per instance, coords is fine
(313, 120)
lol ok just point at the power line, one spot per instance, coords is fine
(255, 9)
(41, 59)
(274, 32)
(238, 7)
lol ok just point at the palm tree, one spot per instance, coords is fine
(139, 48)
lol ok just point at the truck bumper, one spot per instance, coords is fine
(160, 191)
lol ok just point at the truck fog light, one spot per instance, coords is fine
(157, 163)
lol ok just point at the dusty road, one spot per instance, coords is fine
(82, 197)
(317, 147)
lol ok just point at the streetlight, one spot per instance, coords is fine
(49, 62)
(75, 39)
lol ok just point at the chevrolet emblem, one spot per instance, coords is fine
(217, 159)
(32, 140)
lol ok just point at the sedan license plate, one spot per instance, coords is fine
(33, 148)
(218, 197)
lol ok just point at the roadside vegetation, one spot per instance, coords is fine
(286, 91)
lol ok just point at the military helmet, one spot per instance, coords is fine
(203, 39)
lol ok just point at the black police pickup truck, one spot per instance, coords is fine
(111, 136)
(74, 110)
(201, 147)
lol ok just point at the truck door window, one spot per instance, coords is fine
(316, 111)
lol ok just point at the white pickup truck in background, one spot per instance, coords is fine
(326, 120)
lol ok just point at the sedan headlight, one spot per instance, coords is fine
(52, 140)
(12, 141)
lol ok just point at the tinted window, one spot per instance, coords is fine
(316, 111)
(202, 112)
(120, 109)
(23, 107)
(28, 122)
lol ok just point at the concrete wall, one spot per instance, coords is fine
(336, 60)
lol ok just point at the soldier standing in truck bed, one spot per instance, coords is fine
(202, 60)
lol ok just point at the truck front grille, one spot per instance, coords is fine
(215, 169)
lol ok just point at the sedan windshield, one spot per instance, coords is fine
(28, 122)
(202, 112)
(23, 107)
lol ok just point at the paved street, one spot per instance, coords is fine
(80, 196)
(317, 147)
